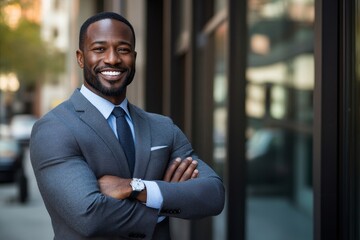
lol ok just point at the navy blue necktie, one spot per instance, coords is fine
(125, 136)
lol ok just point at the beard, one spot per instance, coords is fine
(94, 81)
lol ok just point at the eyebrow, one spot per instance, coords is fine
(105, 42)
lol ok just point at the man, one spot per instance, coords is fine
(89, 178)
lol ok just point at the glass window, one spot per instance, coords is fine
(219, 5)
(280, 75)
(220, 114)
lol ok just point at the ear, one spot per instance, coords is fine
(80, 58)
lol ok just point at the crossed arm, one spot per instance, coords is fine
(119, 188)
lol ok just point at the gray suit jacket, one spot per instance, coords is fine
(73, 145)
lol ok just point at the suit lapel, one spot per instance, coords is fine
(93, 118)
(143, 141)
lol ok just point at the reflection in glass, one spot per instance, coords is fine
(219, 5)
(280, 75)
(278, 102)
(255, 101)
(220, 115)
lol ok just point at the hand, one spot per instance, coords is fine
(180, 171)
(118, 188)
(115, 187)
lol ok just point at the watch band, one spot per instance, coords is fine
(134, 194)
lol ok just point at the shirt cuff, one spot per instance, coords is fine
(154, 197)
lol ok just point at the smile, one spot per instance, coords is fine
(111, 73)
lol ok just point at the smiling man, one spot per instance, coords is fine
(107, 57)
(107, 169)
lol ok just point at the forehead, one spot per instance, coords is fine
(109, 30)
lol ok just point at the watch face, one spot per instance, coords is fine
(137, 185)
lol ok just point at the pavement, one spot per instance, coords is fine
(29, 221)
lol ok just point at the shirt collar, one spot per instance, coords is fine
(104, 106)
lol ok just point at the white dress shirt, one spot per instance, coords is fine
(154, 197)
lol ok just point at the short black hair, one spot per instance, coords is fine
(98, 17)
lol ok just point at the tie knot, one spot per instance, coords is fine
(118, 112)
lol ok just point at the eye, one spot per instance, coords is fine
(99, 49)
(123, 50)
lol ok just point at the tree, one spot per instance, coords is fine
(24, 52)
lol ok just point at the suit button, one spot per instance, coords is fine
(171, 211)
(165, 211)
(137, 235)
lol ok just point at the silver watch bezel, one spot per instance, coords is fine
(137, 185)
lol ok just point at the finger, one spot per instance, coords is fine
(181, 169)
(171, 169)
(195, 174)
(189, 171)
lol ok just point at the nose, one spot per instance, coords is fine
(112, 57)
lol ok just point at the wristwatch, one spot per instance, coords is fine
(137, 186)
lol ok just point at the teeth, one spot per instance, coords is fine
(111, 73)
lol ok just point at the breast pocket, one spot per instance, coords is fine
(159, 159)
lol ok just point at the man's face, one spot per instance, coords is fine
(108, 59)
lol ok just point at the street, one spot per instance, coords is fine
(23, 221)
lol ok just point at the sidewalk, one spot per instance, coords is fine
(24, 221)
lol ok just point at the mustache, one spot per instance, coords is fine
(112, 67)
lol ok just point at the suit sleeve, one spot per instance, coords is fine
(195, 198)
(70, 190)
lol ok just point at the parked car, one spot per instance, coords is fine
(12, 167)
(21, 126)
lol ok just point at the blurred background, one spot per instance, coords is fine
(238, 77)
